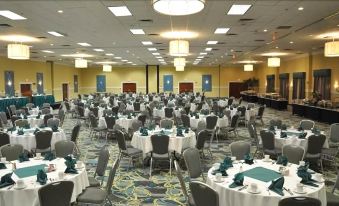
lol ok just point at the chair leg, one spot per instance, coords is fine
(150, 168)
(321, 166)
(171, 166)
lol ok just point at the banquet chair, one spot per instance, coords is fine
(3, 118)
(242, 111)
(193, 163)
(4, 138)
(12, 110)
(299, 201)
(185, 120)
(107, 112)
(142, 119)
(100, 168)
(45, 110)
(203, 135)
(21, 123)
(315, 144)
(188, 197)
(94, 195)
(268, 143)
(294, 153)
(136, 106)
(330, 154)
(211, 126)
(94, 128)
(81, 114)
(53, 122)
(95, 111)
(56, 193)
(201, 126)
(169, 112)
(239, 149)
(115, 110)
(46, 118)
(227, 113)
(275, 123)
(29, 106)
(260, 114)
(203, 194)
(230, 101)
(306, 124)
(110, 122)
(166, 123)
(187, 109)
(74, 137)
(46, 105)
(127, 151)
(61, 116)
(232, 128)
(252, 130)
(43, 141)
(333, 200)
(11, 151)
(160, 151)
(14, 118)
(64, 148)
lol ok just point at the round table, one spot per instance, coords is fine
(222, 122)
(27, 140)
(29, 195)
(34, 122)
(234, 197)
(123, 122)
(176, 143)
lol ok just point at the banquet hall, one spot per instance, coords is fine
(169, 102)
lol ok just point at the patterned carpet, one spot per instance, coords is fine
(133, 187)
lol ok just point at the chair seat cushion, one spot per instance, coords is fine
(332, 200)
(131, 151)
(93, 182)
(312, 156)
(92, 195)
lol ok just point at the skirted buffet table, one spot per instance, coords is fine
(316, 113)
(19, 102)
(38, 100)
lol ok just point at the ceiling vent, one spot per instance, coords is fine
(5, 25)
(146, 20)
(284, 27)
(153, 34)
(41, 37)
(245, 20)
(231, 34)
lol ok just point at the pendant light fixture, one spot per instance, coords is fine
(248, 67)
(273, 62)
(106, 68)
(178, 7)
(17, 51)
(80, 63)
(180, 68)
(331, 49)
(179, 64)
(179, 48)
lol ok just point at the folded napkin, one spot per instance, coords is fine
(36, 130)
(23, 157)
(192, 114)
(271, 128)
(6, 180)
(116, 117)
(187, 130)
(283, 135)
(238, 180)
(55, 128)
(179, 132)
(315, 131)
(129, 116)
(306, 177)
(277, 186)
(300, 128)
(302, 135)
(49, 156)
(162, 132)
(27, 126)
(38, 116)
(20, 131)
(143, 131)
(70, 165)
(283, 127)
(222, 169)
(248, 159)
(2, 166)
(25, 116)
(282, 160)
(196, 116)
(12, 129)
(41, 177)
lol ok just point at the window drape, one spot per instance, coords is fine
(322, 83)
(270, 79)
(299, 85)
(283, 87)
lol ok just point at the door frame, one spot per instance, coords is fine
(135, 82)
(62, 90)
(185, 82)
(20, 83)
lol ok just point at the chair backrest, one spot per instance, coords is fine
(110, 121)
(211, 121)
(115, 110)
(119, 135)
(160, 144)
(267, 138)
(95, 111)
(81, 111)
(168, 112)
(4, 138)
(64, 148)
(136, 106)
(336, 184)
(299, 201)
(230, 102)
(203, 135)
(45, 110)
(75, 133)
(43, 139)
(111, 176)
(315, 143)
(46, 105)
(180, 178)
(56, 193)
(239, 149)
(12, 109)
(306, 124)
(3, 117)
(276, 123)
(93, 120)
(261, 111)
(242, 110)
(293, 153)
(11, 151)
(334, 133)
(185, 120)
(21, 122)
(53, 122)
(142, 118)
(102, 161)
(252, 130)
(193, 162)
(46, 118)
(203, 194)
(234, 121)
(166, 123)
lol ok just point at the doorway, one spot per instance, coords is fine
(235, 88)
(186, 87)
(129, 87)
(26, 90)
(65, 91)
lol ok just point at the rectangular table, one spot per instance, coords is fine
(19, 102)
(316, 113)
(39, 100)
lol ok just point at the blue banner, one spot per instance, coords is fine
(168, 83)
(40, 83)
(76, 84)
(101, 83)
(207, 83)
(9, 83)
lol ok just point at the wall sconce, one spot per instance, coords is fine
(206, 82)
(291, 84)
(9, 83)
(168, 82)
(265, 83)
(336, 86)
(40, 83)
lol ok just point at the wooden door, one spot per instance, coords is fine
(186, 87)
(235, 89)
(26, 90)
(64, 91)
(129, 87)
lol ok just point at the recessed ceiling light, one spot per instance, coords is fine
(130, 62)
(203, 53)
(274, 54)
(265, 30)
(208, 49)
(117, 58)
(179, 34)
(47, 51)
(51, 44)
(146, 42)
(248, 62)
(134, 64)
(152, 49)
(291, 42)
(11, 15)
(77, 55)
(137, 31)
(84, 44)
(99, 50)
(158, 57)
(120, 11)
(54, 33)
(109, 54)
(200, 57)
(221, 30)
(301, 8)
(106, 62)
(212, 42)
(60, 11)
(156, 54)
(329, 35)
(237, 9)
(18, 38)
(124, 60)
(178, 8)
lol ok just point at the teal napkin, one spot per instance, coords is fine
(315, 131)
(221, 115)
(6, 180)
(277, 186)
(196, 116)
(129, 116)
(179, 132)
(238, 180)
(248, 159)
(20, 131)
(283, 135)
(192, 115)
(41, 177)
(282, 160)
(306, 177)
(227, 162)
(271, 128)
(25, 116)
(2, 166)
(302, 135)
(23, 157)
(70, 165)
(36, 130)
(38, 116)
(49, 156)
(222, 169)
(283, 127)
(162, 132)
(55, 128)
(12, 129)
(187, 130)
(27, 126)
(143, 131)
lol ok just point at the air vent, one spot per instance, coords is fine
(259, 40)
(41, 37)
(66, 45)
(238, 51)
(245, 19)
(153, 34)
(146, 20)
(34, 52)
(221, 42)
(158, 43)
(215, 49)
(161, 49)
(231, 34)
(5, 25)
(284, 27)
(287, 49)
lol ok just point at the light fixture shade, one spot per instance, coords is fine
(17, 51)
(179, 62)
(248, 67)
(179, 48)
(273, 62)
(106, 68)
(180, 68)
(331, 49)
(178, 7)
(80, 63)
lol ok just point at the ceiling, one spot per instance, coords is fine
(92, 22)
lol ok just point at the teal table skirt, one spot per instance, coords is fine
(29, 171)
(262, 174)
(40, 100)
(19, 102)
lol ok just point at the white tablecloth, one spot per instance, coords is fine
(161, 112)
(176, 143)
(233, 197)
(222, 122)
(27, 140)
(34, 122)
(222, 103)
(29, 195)
(122, 122)
(248, 114)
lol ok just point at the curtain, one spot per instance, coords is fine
(322, 83)
(284, 85)
(299, 85)
(270, 79)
